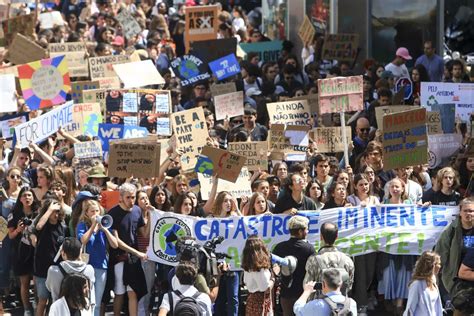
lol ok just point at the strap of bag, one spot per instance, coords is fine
(330, 302)
(170, 300)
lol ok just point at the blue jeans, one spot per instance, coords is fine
(99, 284)
(227, 301)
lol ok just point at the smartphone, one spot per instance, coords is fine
(318, 286)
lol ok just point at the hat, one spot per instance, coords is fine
(386, 74)
(252, 91)
(171, 173)
(298, 222)
(118, 41)
(403, 53)
(98, 172)
(83, 195)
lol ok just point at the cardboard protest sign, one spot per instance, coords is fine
(134, 157)
(295, 112)
(9, 122)
(201, 24)
(210, 50)
(380, 111)
(85, 120)
(341, 47)
(340, 94)
(404, 139)
(442, 147)
(306, 31)
(109, 82)
(44, 125)
(109, 132)
(78, 87)
(229, 105)
(23, 24)
(191, 133)
(68, 47)
(255, 152)
(287, 141)
(22, 50)
(89, 149)
(241, 187)
(138, 74)
(433, 123)
(447, 112)
(190, 69)
(76, 56)
(223, 88)
(109, 199)
(222, 163)
(130, 25)
(267, 51)
(101, 67)
(44, 83)
(225, 67)
(48, 20)
(3, 228)
(329, 139)
(463, 112)
(8, 94)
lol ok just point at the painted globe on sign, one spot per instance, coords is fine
(188, 69)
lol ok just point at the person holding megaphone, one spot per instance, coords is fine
(94, 232)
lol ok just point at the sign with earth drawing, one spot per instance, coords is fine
(190, 69)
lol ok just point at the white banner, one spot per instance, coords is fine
(395, 229)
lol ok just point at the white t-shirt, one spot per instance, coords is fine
(398, 71)
(203, 299)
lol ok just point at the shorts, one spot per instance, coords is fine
(41, 289)
(119, 287)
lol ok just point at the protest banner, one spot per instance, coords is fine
(329, 139)
(44, 125)
(108, 132)
(9, 122)
(78, 87)
(447, 112)
(229, 105)
(101, 67)
(210, 50)
(191, 134)
(222, 163)
(241, 187)
(404, 139)
(44, 83)
(306, 31)
(130, 25)
(442, 147)
(48, 20)
(201, 24)
(291, 112)
(433, 123)
(190, 69)
(86, 118)
(225, 67)
(138, 74)
(68, 47)
(380, 111)
(22, 24)
(255, 152)
(341, 47)
(223, 88)
(8, 94)
(134, 157)
(340, 94)
(22, 50)
(288, 142)
(90, 149)
(267, 51)
(394, 229)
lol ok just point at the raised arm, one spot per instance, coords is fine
(212, 195)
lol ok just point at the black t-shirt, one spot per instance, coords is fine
(302, 250)
(286, 202)
(50, 238)
(126, 223)
(468, 241)
(468, 260)
(439, 198)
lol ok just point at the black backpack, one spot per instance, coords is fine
(186, 306)
(339, 309)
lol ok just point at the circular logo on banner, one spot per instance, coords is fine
(165, 234)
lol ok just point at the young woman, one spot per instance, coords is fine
(466, 170)
(184, 205)
(45, 177)
(362, 194)
(225, 205)
(314, 190)
(258, 204)
(160, 199)
(256, 263)
(337, 196)
(423, 292)
(180, 185)
(342, 176)
(375, 186)
(447, 181)
(281, 171)
(74, 300)
(95, 238)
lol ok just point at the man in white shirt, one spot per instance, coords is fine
(397, 66)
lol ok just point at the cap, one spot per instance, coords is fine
(98, 172)
(298, 222)
(81, 196)
(118, 41)
(386, 74)
(403, 53)
(252, 91)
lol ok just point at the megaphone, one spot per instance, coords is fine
(287, 264)
(106, 220)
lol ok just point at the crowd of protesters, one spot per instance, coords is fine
(56, 241)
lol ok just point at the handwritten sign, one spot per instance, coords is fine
(341, 47)
(433, 123)
(329, 139)
(256, 153)
(229, 105)
(138, 74)
(223, 88)
(75, 53)
(219, 162)
(201, 24)
(225, 67)
(134, 157)
(306, 31)
(287, 141)
(85, 120)
(191, 133)
(241, 187)
(129, 24)
(340, 94)
(267, 51)
(404, 139)
(8, 94)
(101, 67)
(23, 24)
(78, 87)
(380, 111)
(48, 20)
(109, 82)
(442, 147)
(22, 50)
(89, 149)
(190, 69)
(292, 112)
(9, 122)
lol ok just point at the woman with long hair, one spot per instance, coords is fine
(258, 204)
(344, 177)
(337, 196)
(45, 177)
(362, 194)
(314, 190)
(66, 175)
(280, 169)
(184, 205)
(423, 292)
(466, 171)
(160, 199)
(444, 191)
(374, 182)
(75, 293)
(180, 186)
(225, 205)
(256, 263)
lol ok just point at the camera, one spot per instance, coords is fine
(26, 221)
(318, 286)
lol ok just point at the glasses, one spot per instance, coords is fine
(15, 176)
(364, 130)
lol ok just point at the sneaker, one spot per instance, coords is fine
(362, 311)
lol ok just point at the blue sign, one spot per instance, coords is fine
(267, 51)
(405, 83)
(109, 132)
(204, 165)
(225, 67)
(190, 69)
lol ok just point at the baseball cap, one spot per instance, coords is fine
(298, 222)
(403, 53)
(118, 41)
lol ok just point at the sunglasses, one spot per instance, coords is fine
(15, 176)
(364, 129)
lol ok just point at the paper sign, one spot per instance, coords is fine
(255, 152)
(78, 87)
(86, 119)
(130, 25)
(22, 50)
(291, 112)
(23, 24)
(225, 67)
(341, 47)
(306, 31)
(202, 24)
(463, 112)
(191, 133)
(190, 69)
(223, 88)
(134, 157)
(433, 123)
(340, 94)
(88, 149)
(240, 188)
(441, 148)
(101, 67)
(108, 132)
(224, 164)
(283, 141)
(109, 82)
(214, 49)
(8, 94)
(68, 47)
(404, 139)
(44, 125)
(267, 51)
(432, 93)
(380, 111)
(51, 19)
(9, 122)
(44, 83)
(229, 105)
(138, 74)
(329, 139)
(447, 112)
(75, 53)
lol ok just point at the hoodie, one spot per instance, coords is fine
(55, 277)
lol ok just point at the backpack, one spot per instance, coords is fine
(339, 265)
(186, 306)
(339, 309)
